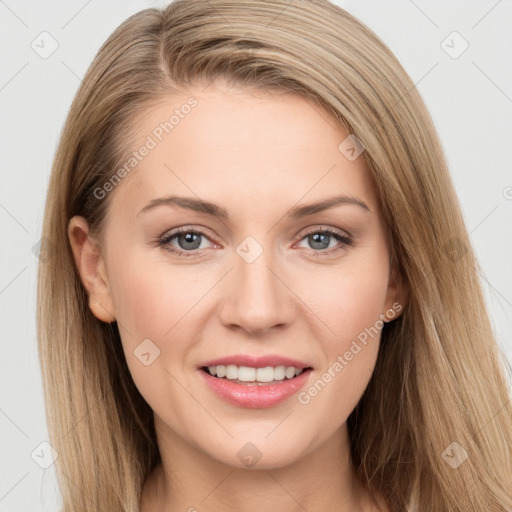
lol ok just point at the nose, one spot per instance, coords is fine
(256, 296)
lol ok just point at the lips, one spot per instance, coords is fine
(254, 397)
(256, 361)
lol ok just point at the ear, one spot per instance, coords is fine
(396, 293)
(92, 270)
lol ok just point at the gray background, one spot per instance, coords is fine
(469, 96)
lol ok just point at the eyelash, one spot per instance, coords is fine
(345, 240)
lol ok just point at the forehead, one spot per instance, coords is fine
(242, 147)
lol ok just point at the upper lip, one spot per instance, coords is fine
(257, 361)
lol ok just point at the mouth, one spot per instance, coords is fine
(255, 376)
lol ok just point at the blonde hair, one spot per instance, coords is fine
(440, 376)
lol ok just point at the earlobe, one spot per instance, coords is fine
(92, 270)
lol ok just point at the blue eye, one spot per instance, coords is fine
(318, 238)
(189, 241)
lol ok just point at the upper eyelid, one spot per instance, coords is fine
(319, 228)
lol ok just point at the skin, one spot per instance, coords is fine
(257, 155)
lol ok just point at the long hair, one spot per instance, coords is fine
(439, 391)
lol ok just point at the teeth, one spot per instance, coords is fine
(248, 374)
(231, 371)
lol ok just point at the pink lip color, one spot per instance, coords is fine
(254, 396)
(257, 361)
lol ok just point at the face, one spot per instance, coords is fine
(269, 283)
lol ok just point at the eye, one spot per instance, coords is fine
(320, 240)
(188, 240)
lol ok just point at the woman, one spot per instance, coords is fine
(263, 295)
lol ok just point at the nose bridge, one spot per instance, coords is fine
(256, 299)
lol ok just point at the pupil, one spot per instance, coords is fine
(189, 239)
(315, 239)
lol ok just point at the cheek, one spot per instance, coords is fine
(359, 300)
(348, 298)
(152, 301)
(352, 309)
(151, 296)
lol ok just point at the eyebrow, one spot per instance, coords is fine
(205, 207)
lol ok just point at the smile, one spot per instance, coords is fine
(247, 375)
(254, 388)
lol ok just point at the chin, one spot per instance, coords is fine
(260, 453)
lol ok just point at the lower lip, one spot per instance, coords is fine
(255, 397)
